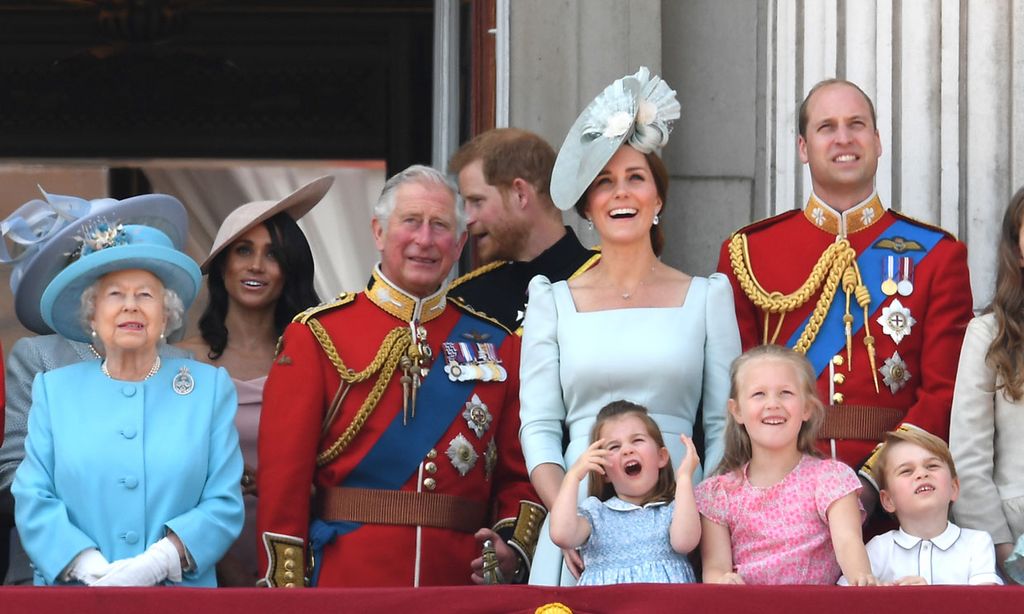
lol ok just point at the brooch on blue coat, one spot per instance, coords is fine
(183, 383)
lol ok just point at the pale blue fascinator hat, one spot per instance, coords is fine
(110, 247)
(39, 237)
(637, 109)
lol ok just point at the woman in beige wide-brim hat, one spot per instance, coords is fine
(259, 275)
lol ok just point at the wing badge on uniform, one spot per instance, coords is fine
(898, 245)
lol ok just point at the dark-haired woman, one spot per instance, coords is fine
(631, 327)
(259, 275)
(987, 422)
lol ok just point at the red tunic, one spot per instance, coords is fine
(301, 385)
(782, 251)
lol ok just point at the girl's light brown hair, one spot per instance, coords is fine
(737, 441)
(665, 488)
(1006, 353)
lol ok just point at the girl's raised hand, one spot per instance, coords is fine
(592, 459)
(690, 462)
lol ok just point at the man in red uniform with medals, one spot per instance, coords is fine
(877, 301)
(399, 412)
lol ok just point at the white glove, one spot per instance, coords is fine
(158, 563)
(88, 567)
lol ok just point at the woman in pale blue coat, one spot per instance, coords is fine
(44, 232)
(631, 327)
(132, 467)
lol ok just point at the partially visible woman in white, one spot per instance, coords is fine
(631, 327)
(986, 431)
(132, 464)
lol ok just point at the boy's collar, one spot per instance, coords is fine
(942, 541)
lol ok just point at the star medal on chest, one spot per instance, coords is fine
(183, 383)
(477, 416)
(461, 453)
(896, 320)
(894, 373)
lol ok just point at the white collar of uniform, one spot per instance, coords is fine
(942, 541)
(619, 505)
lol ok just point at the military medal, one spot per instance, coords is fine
(490, 460)
(477, 416)
(905, 285)
(889, 286)
(466, 361)
(462, 454)
(894, 373)
(183, 383)
(896, 320)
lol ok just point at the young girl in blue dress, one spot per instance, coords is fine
(639, 521)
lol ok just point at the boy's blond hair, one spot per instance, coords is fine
(918, 437)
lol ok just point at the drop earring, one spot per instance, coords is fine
(590, 225)
(656, 219)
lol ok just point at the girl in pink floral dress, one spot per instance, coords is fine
(776, 512)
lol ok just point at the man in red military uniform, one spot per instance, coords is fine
(878, 302)
(400, 410)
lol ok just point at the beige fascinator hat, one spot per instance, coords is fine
(245, 217)
(637, 109)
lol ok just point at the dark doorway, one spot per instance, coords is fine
(294, 79)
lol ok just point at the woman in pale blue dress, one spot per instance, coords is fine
(630, 327)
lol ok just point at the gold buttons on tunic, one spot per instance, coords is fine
(430, 483)
(432, 454)
(430, 467)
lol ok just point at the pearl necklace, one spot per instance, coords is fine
(152, 370)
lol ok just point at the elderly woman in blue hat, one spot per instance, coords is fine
(631, 327)
(37, 238)
(132, 467)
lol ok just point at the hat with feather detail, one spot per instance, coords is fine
(637, 110)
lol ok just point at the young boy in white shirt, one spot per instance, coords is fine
(917, 482)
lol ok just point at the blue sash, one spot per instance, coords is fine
(831, 339)
(400, 449)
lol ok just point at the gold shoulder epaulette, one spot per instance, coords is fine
(914, 220)
(477, 272)
(483, 316)
(342, 299)
(589, 263)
